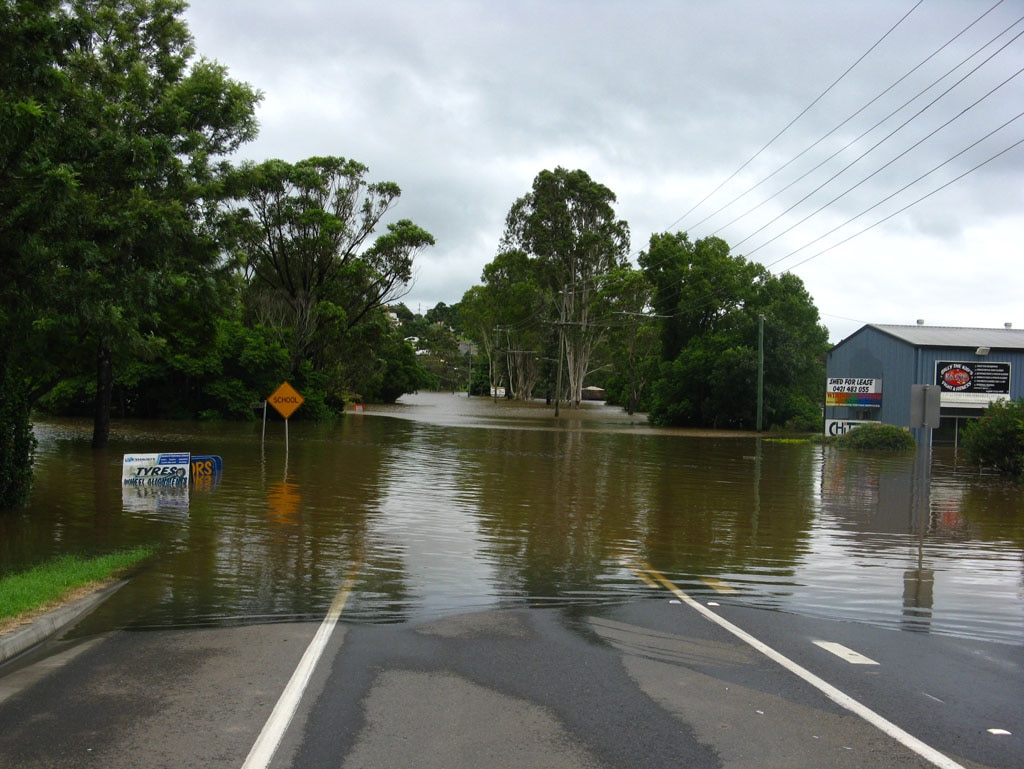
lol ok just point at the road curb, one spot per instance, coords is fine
(48, 625)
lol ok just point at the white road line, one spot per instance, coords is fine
(845, 653)
(273, 730)
(906, 739)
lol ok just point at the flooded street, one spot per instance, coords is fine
(443, 504)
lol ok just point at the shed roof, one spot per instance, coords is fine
(943, 336)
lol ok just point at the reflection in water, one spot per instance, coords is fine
(445, 504)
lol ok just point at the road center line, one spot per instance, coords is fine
(840, 698)
(273, 730)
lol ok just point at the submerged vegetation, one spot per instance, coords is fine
(877, 437)
(997, 439)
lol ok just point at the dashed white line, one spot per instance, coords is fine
(906, 739)
(845, 653)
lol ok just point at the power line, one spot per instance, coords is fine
(909, 205)
(873, 173)
(806, 109)
(888, 136)
(854, 114)
(897, 192)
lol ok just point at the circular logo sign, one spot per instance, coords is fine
(957, 377)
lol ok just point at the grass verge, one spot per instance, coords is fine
(52, 583)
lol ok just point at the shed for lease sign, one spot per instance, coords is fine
(853, 391)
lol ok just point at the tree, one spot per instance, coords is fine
(633, 335)
(141, 129)
(696, 285)
(479, 317)
(567, 223)
(997, 439)
(107, 143)
(710, 303)
(511, 280)
(33, 189)
(301, 235)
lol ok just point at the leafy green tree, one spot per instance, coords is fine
(398, 370)
(512, 282)
(710, 305)
(479, 315)
(142, 126)
(997, 439)
(567, 223)
(445, 315)
(696, 285)
(33, 190)
(108, 138)
(633, 336)
(301, 233)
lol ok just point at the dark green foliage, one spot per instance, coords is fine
(17, 444)
(877, 437)
(997, 439)
(401, 373)
(709, 304)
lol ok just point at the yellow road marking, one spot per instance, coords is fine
(718, 586)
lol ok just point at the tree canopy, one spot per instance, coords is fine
(142, 273)
(301, 236)
(566, 226)
(710, 304)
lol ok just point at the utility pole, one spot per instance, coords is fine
(561, 352)
(494, 385)
(760, 370)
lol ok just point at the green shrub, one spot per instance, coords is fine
(17, 445)
(877, 436)
(997, 439)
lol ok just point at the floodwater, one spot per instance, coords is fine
(443, 504)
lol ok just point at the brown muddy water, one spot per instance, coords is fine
(444, 504)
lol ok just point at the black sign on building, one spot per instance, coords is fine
(973, 377)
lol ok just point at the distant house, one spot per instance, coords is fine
(871, 374)
(593, 394)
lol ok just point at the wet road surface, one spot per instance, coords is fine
(642, 683)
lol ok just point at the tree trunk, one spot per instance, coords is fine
(104, 392)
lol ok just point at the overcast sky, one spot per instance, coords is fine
(684, 109)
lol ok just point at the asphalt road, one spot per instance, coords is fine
(648, 683)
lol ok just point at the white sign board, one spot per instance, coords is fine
(834, 427)
(153, 481)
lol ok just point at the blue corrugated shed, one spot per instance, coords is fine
(972, 366)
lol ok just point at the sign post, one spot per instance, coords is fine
(925, 406)
(286, 400)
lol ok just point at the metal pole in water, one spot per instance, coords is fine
(760, 371)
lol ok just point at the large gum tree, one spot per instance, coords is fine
(567, 224)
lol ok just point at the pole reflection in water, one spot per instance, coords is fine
(451, 503)
(919, 582)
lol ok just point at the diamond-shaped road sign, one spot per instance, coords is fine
(286, 399)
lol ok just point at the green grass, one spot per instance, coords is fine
(52, 582)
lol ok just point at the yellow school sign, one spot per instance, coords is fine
(286, 400)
